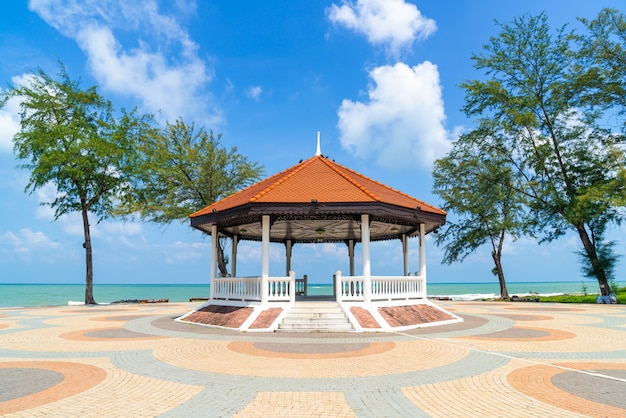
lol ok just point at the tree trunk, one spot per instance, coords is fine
(89, 300)
(221, 262)
(590, 250)
(497, 259)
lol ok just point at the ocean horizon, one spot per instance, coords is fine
(40, 294)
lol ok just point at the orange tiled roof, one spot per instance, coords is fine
(321, 179)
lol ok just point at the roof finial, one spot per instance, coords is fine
(319, 150)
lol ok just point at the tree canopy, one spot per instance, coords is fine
(541, 111)
(70, 138)
(479, 189)
(184, 169)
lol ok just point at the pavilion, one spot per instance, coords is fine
(319, 201)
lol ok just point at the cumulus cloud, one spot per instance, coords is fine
(9, 123)
(402, 123)
(393, 24)
(27, 244)
(162, 68)
(255, 92)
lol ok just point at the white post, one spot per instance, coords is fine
(288, 247)
(233, 256)
(423, 256)
(405, 253)
(292, 287)
(338, 286)
(351, 254)
(367, 272)
(213, 267)
(265, 257)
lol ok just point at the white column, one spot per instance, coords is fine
(213, 267)
(292, 287)
(288, 247)
(423, 252)
(405, 253)
(351, 254)
(338, 286)
(233, 256)
(265, 256)
(365, 243)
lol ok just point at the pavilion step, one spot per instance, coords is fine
(315, 317)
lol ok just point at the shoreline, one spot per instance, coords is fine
(31, 295)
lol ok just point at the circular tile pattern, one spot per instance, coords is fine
(570, 387)
(469, 322)
(107, 334)
(596, 388)
(312, 350)
(19, 382)
(491, 364)
(123, 318)
(301, 348)
(522, 317)
(526, 334)
(76, 378)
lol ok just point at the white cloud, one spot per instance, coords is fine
(394, 24)
(27, 244)
(142, 70)
(184, 252)
(402, 124)
(255, 92)
(9, 123)
(10, 113)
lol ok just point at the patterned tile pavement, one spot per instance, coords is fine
(505, 359)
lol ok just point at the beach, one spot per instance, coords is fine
(504, 359)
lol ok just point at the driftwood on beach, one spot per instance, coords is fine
(142, 301)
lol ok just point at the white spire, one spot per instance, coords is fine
(319, 150)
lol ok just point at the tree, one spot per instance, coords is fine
(184, 170)
(535, 112)
(72, 140)
(478, 188)
(603, 55)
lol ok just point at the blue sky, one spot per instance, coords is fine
(378, 78)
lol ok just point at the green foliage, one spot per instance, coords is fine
(477, 185)
(607, 260)
(620, 295)
(569, 298)
(541, 114)
(603, 52)
(478, 189)
(71, 139)
(183, 170)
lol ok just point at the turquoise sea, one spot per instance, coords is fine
(17, 295)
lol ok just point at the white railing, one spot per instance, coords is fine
(301, 285)
(397, 287)
(270, 289)
(349, 288)
(281, 288)
(353, 288)
(237, 288)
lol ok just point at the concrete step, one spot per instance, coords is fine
(315, 316)
(343, 327)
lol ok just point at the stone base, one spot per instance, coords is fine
(373, 317)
